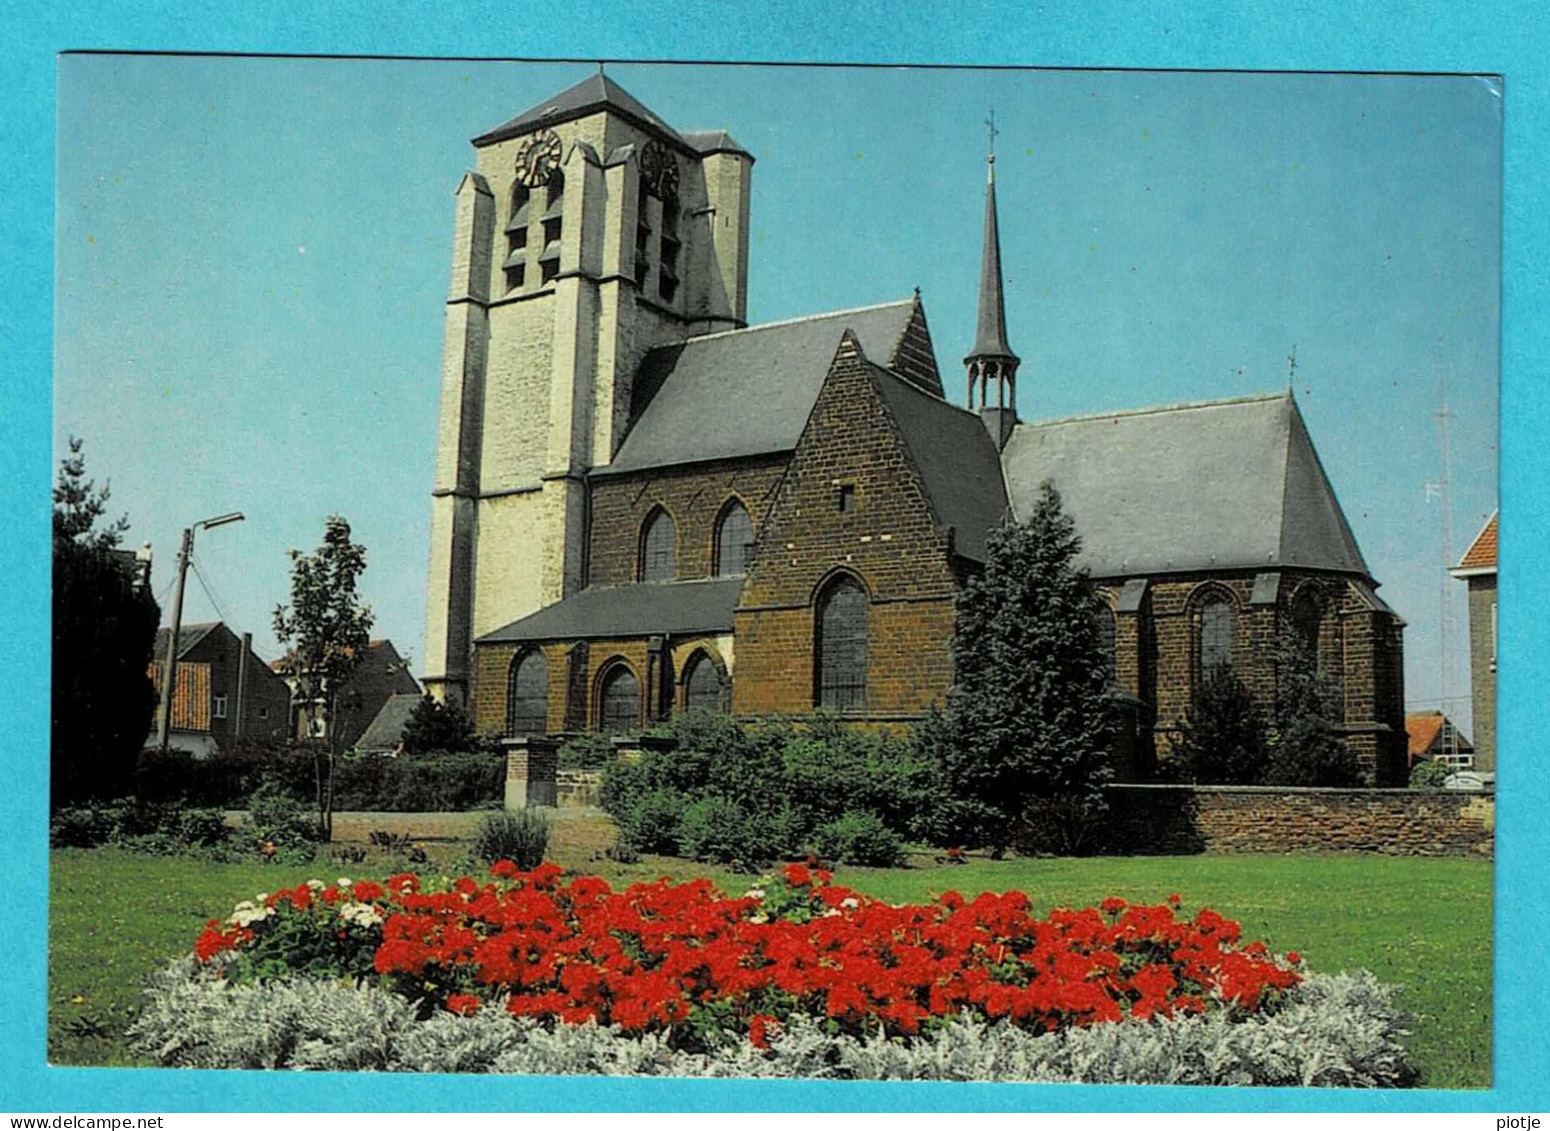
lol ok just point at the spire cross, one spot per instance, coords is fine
(1291, 367)
(990, 124)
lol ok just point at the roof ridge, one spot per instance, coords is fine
(793, 321)
(1253, 398)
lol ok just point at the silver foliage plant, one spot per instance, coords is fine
(1333, 1031)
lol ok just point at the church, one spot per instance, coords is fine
(643, 504)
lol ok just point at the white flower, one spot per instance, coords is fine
(261, 897)
(850, 902)
(246, 914)
(343, 882)
(245, 905)
(361, 914)
(316, 885)
(754, 893)
(831, 913)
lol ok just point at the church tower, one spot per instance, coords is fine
(589, 232)
(991, 364)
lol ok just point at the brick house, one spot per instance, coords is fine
(1477, 569)
(223, 692)
(643, 504)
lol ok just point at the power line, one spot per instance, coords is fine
(203, 585)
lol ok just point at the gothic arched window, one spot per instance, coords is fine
(659, 547)
(702, 684)
(1216, 633)
(734, 536)
(527, 694)
(841, 645)
(1307, 620)
(1103, 618)
(620, 700)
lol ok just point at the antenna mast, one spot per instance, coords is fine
(1445, 591)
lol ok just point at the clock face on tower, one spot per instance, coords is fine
(538, 157)
(659, 169)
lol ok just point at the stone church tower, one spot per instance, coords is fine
(589, 232)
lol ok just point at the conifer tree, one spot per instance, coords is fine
(1222, 738)
(1028, 721)
(104, 631)
(434, 726)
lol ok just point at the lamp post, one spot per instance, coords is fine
(170, 667)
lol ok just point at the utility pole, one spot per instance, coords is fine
(170, 666)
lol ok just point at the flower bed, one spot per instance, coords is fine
(698, 968)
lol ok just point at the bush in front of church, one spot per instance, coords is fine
(1223, 738)
(728, 793)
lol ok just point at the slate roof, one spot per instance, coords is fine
(189, 635)
(1481, 555)
(955, 457)
(386, 730)
(588, 96)
(747, 392)
(1222, 485)
(645, 609)
(714, 141)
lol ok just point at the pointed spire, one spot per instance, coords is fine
(991, 360)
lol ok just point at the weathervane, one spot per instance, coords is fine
(1291, 367)
(990, 124)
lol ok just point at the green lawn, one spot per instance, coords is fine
(1423, 924)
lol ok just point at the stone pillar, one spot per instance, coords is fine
(532, 772)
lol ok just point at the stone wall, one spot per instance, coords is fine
(1168, 820)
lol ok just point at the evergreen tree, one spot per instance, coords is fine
(1222, 738)
(435, 726)
(1028, 721)
(104, 631)
(1306, 746)
(326, 630)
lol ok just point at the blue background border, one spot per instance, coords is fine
(1437, 35)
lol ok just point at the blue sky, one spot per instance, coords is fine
(252, 256)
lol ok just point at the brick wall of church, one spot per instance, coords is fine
(574, 668)
(694, 496)
(1157, 657)
(885, 536)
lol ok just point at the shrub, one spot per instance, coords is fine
(717, 830)
(655, 822)
(202, 828)
(859, 837)
(84, 826)
(784, 780)
(586, 752)
(1430, 774)
(436, 783)
(519, 835)
(1310, 754)
(278, 819)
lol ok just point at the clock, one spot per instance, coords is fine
(659, 169)
(538, 157)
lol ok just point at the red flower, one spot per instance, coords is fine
(465, 1004)
(758, 1030)
(797, 875)
(1294, 958)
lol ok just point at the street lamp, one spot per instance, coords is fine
(170, 667)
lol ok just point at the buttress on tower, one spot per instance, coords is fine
(589, 232)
